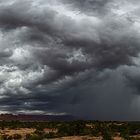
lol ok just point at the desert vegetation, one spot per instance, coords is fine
(74, 130)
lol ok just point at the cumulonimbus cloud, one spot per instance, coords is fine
(63, 56)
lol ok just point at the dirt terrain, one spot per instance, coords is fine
(78, 138)
(84, 138)
(20, 131)
(23, 131)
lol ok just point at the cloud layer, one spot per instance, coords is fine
(78, 57)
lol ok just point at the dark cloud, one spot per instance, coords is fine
(77, 57)
(91, 7)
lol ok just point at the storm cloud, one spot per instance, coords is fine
(78, 57)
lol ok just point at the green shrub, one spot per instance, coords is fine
(17, 136)
(1, 138)
(50, 135)
(33, 137)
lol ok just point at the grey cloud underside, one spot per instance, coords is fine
(78, 57)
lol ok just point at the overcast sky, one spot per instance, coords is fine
(77, 57)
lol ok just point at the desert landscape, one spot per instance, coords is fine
(68, 130)
(69, 69)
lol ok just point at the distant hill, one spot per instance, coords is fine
(25, 117)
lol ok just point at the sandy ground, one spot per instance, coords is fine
(118, 138)
(78, 138)
(24, 131)
(84, 138)
(20, 131)
(47, 130)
